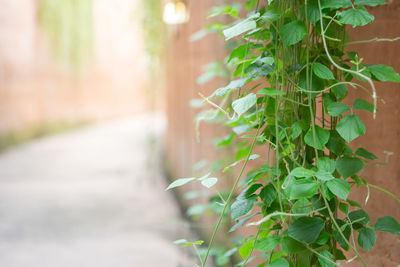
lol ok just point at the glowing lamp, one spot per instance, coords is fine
(175, 12)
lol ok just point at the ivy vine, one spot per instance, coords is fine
(290, 73)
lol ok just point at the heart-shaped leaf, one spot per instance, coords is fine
(339, 188)
(321, 137)
(243, 104)
(366, 238)
(322, 71)
(388, 224)
(306, 229)
(356, 17)
(293, 32)
(350, 127)
(348, 166)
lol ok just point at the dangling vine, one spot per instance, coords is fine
(290, 78)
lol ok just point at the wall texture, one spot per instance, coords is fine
(185, 64)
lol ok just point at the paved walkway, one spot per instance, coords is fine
(92, 197)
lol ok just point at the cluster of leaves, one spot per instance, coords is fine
(289, 81)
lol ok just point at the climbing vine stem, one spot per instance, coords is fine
(286, 100)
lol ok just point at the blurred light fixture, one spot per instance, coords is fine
(175, 12)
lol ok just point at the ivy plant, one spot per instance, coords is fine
(290, 69)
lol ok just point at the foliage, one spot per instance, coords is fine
(153, 33)
(290, 75)
(60, 20)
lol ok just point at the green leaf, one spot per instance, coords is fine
(242, 222)
(246, 249)
(222, 259)
(231, 10)
(243, 104)
(335, 3)
(370, 2)
(180, 241)
(340, 255)
(209, 182)
(290, 245)
(249, 192)
(354, 203)
(346, 232)
(340, 91)
(306, 229)
(350, 127)
(270, 92)
(268, 194)
(180, 182)
(348, 166)
(336, 109)
(356, 17)
(254, 156)
(199, 242)
(363, 105)
(336, 143)
(343, 207)
(239, 52)
(292, 32)
(231, 165)
(324, 259)
(365, 154)
(366, 238)
(364, 71)
(296, 130)
(327, 99)
(323, 238)
(268, 243)
(242, 206)
(322, 71)
(235, 84)
(302, 172)
(280, 262)
(327, 164)
(339, 188)
(324, 175)
(271, 15)
(321, 138)
(302, 206)
(227, 140)
(384, 73)
(358, 218)
(187, 243)
(314, 83)
(241, 27)
(302, 188)
(196, 210)
(388, 224)
(267, 60)
(312, 11)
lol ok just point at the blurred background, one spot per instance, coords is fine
(95, 117)
(70, 62)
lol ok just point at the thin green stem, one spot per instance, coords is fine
(252, 248)
(338, 227)
(359, 74)
(228, 200)
(277, 213)
(376, 39)
(385, 191)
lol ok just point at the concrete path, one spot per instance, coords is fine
(92, 197)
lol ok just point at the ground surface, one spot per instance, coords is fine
(92, 197)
